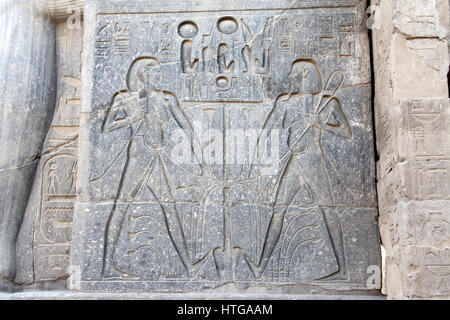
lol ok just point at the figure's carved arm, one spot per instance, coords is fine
(122, 113)
(182, 120)
(179, 115)
(271, 121)
(332, 119)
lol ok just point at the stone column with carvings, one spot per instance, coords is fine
(27, 91)
(413, 140)
(43, 243)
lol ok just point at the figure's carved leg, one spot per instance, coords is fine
(113, 228)
(336, 235)
(128, 191)
(285, 195)
(273, 234)
(173, 222)
(176, 234)
(315, 175)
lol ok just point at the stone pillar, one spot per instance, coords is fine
(413, 140)
(27, 91)
(60, 10)
(43, 243)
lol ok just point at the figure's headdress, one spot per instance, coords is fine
(307, 77)
(137, 68)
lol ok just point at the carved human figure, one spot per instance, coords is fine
(52, 178)
(72, 179)
(306, 111)
(145, 108)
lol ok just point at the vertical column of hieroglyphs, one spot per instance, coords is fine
(45, 236)
(413, 140)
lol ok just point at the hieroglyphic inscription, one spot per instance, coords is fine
(58, 174)
(425, 126)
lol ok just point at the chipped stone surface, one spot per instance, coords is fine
(150, 220)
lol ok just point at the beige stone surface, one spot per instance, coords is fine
(416, 235)
(414, 129)
(413, 142)
(425, 62)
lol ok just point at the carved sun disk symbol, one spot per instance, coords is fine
(187, 29)
(227, 25)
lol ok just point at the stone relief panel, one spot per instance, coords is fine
(225, 147)
(423, 134)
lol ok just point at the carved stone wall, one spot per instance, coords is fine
(413, 138)
(225, 144)
(179, 186)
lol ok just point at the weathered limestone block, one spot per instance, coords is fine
(426, 271)
(412, 120)
(403, 50)
(414, 129)
(423, 132)
(424, 24)
(27, 90)
(178, 189)
(416, 180)
(411, 43)
(44, 239)
(398, 56)
(419, 223)
(421, 18)
(382, 33)
(419, 59)
(416, 234)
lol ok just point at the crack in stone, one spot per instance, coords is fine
(21, 164)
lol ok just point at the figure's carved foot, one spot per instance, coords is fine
(193, 269)
(257, 270)
(341, 275)
(113, 272)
